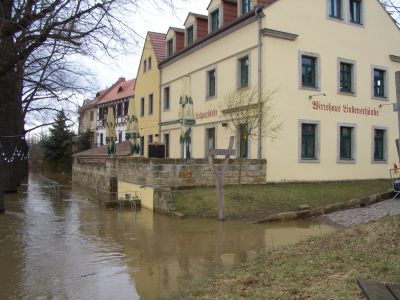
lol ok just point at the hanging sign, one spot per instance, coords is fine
(345, 108)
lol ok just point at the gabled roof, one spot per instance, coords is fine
(119, 90)
(196, 16)
(158, 42)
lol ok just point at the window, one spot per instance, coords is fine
(335, 9)
(243, 141)
(355, 11)
(170, 47)
(101, 139)
(144, 66)
(166, 98)
(126, 108)
(246, 6)
(150, 139)
(119, 136)
(189, 36)
(244, 72)
(119, 109)
(187, 148)
(346, 77)
(210, 139)
(149, 63)
(346, 143)
(142, 106)
(92, 115)
(142, 145)
(308, 141)
(151, 104)
(379, 82)
(211, 83)
(166, 142)
(214, 20)
(308, 71)
(379, 144)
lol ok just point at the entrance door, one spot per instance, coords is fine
(210, 139)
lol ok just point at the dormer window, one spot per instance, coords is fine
(170, 47)
(189, 36)
(120, 89)
(246, 6)
(215, 20)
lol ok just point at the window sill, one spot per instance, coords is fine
(384, 98)
(309, 161)
(336, 19)
(310, 88)
(356, 24)
(379, 162)
(242, 88)
(208, 98)
(346, 161)
(166, 109)
(351, 94)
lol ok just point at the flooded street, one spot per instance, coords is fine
(75, 248)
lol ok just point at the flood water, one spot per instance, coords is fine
(76, 249)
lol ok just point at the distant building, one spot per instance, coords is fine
(93, 113)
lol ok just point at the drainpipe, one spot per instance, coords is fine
(258, 12)
(159, 108)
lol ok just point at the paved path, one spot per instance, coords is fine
(356, 216)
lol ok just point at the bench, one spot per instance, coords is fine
(379, 291)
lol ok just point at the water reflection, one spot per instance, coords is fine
(75, 248)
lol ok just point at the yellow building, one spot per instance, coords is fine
(327, 66)
(147, 90)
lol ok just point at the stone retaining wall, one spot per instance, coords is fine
(188, 172)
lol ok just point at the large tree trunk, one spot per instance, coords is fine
(11, 124)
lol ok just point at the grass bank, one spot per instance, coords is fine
(258, 201)
(323, 268)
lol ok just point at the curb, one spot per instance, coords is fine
(305, 213)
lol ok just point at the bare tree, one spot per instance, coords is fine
(393, 8)
(244, 112)
(39, 40)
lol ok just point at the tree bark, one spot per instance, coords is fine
(2, 209)
(10, 113)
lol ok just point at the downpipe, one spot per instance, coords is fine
(259, 14)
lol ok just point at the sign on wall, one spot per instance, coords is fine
(345, 108)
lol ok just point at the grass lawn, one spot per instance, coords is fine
(323, 268)
(258, 201)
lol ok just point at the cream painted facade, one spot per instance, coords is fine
(299, 28)
(148, 87)
(145, 194)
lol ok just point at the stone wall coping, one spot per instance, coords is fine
(179, 161)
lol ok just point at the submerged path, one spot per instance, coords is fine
(356, 216)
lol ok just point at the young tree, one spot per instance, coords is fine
(244, 114)
(57, 147)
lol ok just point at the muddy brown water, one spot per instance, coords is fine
(75, 248)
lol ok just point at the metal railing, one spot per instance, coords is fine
(52, 186)
(121, 198)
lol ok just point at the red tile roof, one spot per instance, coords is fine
(159, 46)
(119, 90)
(122, 149)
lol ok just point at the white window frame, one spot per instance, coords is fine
(151, 96)
(342, 10)
(206, 138)
(238, 70)
(193, 25)
(386, 83)
(220, 18)
(362, 23)
(208, 97)
(353, 160)
(353, 76)
(317, 141)
(169, 100)
(385, 145)
(317, 70)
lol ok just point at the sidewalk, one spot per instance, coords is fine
(356, 216)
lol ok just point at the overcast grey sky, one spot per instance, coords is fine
(148, 19)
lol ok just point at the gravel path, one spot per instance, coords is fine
(356, 216)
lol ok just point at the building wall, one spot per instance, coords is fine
(188, 77)
(148, 83)
(369, 44)
(366, 45)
